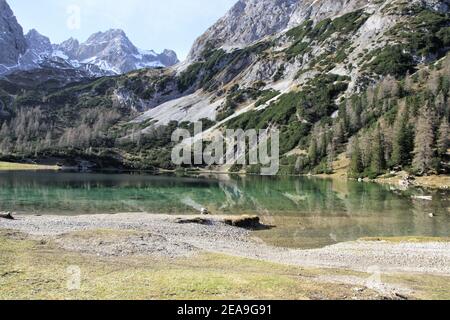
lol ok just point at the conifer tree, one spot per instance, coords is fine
(377, 165)
(402, 140)
(312, 154)
(356, 165)
(423, 142)
(331, 153)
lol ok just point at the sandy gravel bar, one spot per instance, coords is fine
(161, 235)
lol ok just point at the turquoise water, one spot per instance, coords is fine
(306, 212)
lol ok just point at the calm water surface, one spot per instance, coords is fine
(307, 212)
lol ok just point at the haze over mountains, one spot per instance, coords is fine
(104, 53)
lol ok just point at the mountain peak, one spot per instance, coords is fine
(107, 53)
(113, 52)
(38, 42)
(108, 37)
(245, 22)
(116, 32)
(34, 33)
(251, 20)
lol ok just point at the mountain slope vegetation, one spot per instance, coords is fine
(372, 83)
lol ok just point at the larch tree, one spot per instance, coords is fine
(356, 164)
(423, 142)
(365, 147)
(443, 138)
(377, 164)
(331, 154)
(312, 154)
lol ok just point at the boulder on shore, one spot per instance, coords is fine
(245, 222)
(407, 181)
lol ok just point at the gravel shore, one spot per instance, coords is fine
(162, 235)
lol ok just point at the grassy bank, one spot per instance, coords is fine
(33, 269)
(342, 164)
(431, 182)
(10, 166)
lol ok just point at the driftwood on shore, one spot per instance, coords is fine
(6, 215)
(244, 222)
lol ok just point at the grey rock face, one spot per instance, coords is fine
(38, 42)
(12, 40)
(104, 53)
(247, 21)
(69, 47)
(39, 48)
(322, 9)
(113, 52)
(112, 44)
(168, 57)
(252, 20)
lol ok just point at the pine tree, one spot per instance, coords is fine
(423, 142)
(443, 138)
(339, 132)
(365, 146)
(378, 164)
(402, 140)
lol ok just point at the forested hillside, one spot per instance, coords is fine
(371, 83)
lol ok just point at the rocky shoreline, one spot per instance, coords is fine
(135, 234)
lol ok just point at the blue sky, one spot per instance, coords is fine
(150, 24)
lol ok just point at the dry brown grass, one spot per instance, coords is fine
(9, 166)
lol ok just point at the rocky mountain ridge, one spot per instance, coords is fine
(334, 73)
(113, 51)
(103, 54)
(13, 43)
(252, 20)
